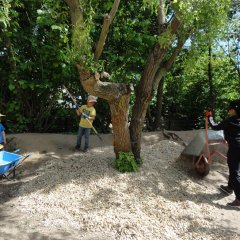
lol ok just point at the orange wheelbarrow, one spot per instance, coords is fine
(203, 148)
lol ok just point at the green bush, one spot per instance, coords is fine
(126, 162)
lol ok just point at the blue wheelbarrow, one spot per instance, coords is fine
(9, 162)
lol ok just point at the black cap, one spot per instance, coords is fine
(235, 105)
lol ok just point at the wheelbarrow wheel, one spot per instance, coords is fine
(202, 167)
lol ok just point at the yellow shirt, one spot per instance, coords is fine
(91, 112)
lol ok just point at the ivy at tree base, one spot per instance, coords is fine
(126, 162)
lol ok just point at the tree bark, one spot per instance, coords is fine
(119, 114)
(108, 18)
(157, 122)
(144, 93)
(159, 78)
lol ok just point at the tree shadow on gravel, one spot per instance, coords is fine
(174, 185)
(227, 233)
(57, 170)
(34, 235)
(54, 170)
(174, 190)
(10, 228)
(45, 176)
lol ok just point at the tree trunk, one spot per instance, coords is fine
(144, 89)
(154, 71)
(119, 114)
(144, 93)
(157, 122)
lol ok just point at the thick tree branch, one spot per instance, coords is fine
(168, 64)
(77, 21)
(75, 13)
(106, 90)
(144, 89)
(155, 58)
(108, 19)
(161, 13)
(91, 82)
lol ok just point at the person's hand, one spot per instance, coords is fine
(208, 113)
(85, 116)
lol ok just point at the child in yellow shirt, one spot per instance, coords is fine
(88, 114)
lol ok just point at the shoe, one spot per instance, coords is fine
(77, 148)
(235, 203)
(226, 189)
(85, 150)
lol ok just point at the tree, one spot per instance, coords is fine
(172, 35)
(185, 18)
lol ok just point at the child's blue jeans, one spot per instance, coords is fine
(83, 131)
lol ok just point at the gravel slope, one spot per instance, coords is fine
(83, 196)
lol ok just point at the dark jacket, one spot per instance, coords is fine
(231, 129)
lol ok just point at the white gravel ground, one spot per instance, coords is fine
(82, 192)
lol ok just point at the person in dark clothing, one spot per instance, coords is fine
(231, 129)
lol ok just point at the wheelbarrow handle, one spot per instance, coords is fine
(26, 156)
(206, 138)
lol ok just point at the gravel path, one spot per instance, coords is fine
(81, 196)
